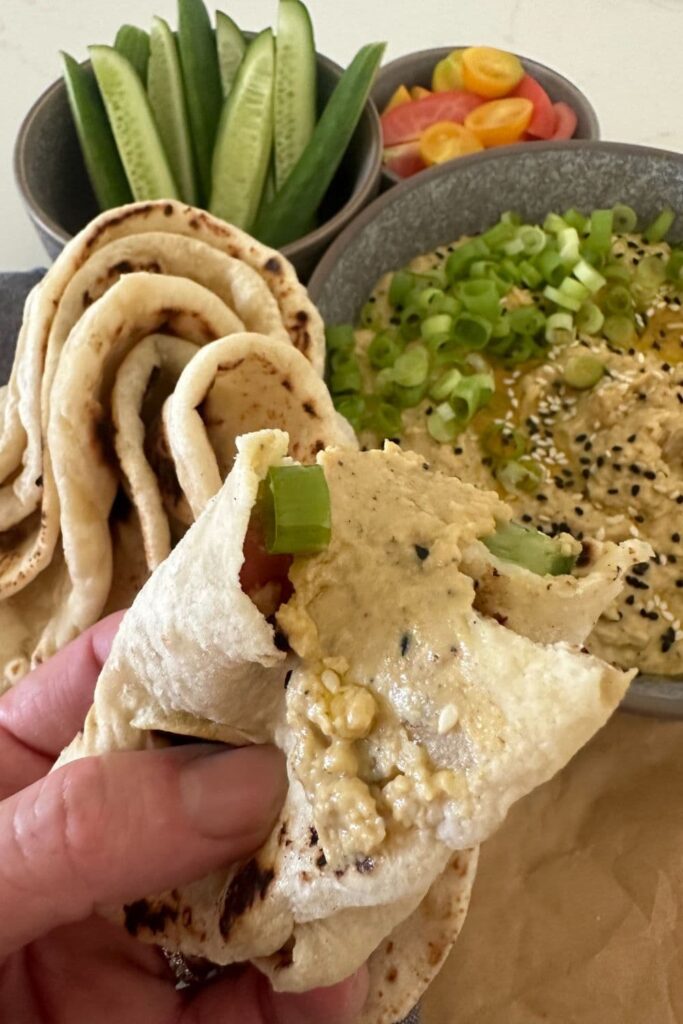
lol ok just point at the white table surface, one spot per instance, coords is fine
(626, 55)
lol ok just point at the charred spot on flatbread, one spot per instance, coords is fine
(251, 883)
(147, 915)
(273, 265)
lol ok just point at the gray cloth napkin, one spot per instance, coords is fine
(13, 291)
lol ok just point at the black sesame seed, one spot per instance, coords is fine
(640, 568)
(631, 599)
(585, 473)
(631, 439)
(639, 519)
(636, 583)
(421, 552)
(635, 490)
(667, 639)
(581, 437)
(612, 490)
(679, 499)
(600, 461)
(541, 497)
(649, 474)
(526, 518)
(635, 469)
(578, 510)
(405, 644)
(457, 451)
(676, 537)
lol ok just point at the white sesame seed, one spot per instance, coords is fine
(448, 719)
(330, 681)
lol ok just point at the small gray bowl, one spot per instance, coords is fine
(467, 196)
(54, 184)
(416, 69)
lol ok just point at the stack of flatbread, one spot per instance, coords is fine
(158, 335)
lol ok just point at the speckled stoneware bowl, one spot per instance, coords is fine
(469, 195)
(416, 69)
(54, 185)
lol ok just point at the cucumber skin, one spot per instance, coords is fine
(286, 218)
(98, 146)
(201, 81)
(228, 36)
(178, 148)
(165, 187)
(133, 44)
(223, 139)
(295, 115)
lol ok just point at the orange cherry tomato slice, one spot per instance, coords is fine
(500, 122)
(400, 97)
(446, 140)
(489, 72)
(447, 74)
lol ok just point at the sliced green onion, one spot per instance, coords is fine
(589, 318)
(385, 420)
(470, 394)
(471, 331)
(436, 326)
(294, 506)
(660, 226)
(345, 378)
(568, 243)
(383, 350)
(340, 337)
(385, 383)
(408, 398)
(411, 368)
(477, 362)
(501, 328)
(443, 431)
(561, 298)
(559, 329)
(519, 474)
(411, 321)
(446, 412)
(443, 387)
(589, 276)
(533, 239)
(402, 283)
(503, 442)
(576, 220)
(551, 267)
(554, 223)
(352, 408)
(449, 304)
(674, 268)
(600, 235)
(370, 317)
(523, 349)
(496, 236)
(625, 219)
(480, 297)
(511, 217)
(527, 320)
(574, 289)
(618, 299)
(459, 260)
(427, 299)
(514, 247)
(529, 275)
(651, 272)
(582, 372)
(619, 329)
(445, 350)
(615, 271)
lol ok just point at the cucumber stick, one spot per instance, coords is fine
(102, 160)
(167, 100)
(295, 87)
(288, 215)
(130, 116)
(245, 137)
(202, 82)
(231, 47)
(133, 44)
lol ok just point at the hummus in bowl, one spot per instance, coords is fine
(577, 421)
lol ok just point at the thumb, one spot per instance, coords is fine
(107, 830)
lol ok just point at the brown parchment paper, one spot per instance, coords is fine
(577, 910)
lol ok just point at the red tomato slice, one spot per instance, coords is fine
(407, 122)
(404, 160)
(259, 567)
(565, 121)
(542, 124)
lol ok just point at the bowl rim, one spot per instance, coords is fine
(363, 192)
(329, 259)
(578, 96)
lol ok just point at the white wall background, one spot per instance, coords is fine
(626, 54)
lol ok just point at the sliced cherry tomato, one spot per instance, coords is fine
(446, 140)
(404, 160)
(542, 124)
(408, 121)
(400, 97)
(500, 122)
(447, 74)
(489, 72)
(565, 121)
(418, 92)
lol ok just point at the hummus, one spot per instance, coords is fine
(609, 459)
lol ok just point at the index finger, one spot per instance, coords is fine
(45, 710)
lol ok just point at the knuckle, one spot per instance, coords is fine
(80, 810)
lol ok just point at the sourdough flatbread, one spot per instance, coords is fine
(358, 864)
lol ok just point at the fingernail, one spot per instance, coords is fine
(234, 793)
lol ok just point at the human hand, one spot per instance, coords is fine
(111, 830)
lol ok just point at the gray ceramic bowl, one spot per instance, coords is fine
(469, 195)
(416, 69)
(54, 185)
